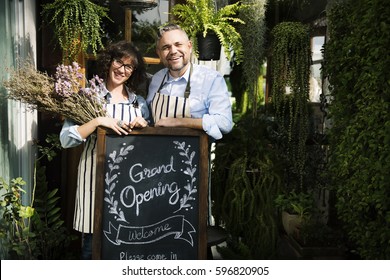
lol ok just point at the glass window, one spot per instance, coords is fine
(18, 126)
(315, 71)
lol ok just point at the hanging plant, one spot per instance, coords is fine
(200, 17)
(253, 33)
(290, 73)
(76, 25)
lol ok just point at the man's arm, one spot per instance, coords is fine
(180, 122)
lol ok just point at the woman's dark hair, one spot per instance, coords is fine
(118, 51)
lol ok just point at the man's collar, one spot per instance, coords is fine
(184, 76)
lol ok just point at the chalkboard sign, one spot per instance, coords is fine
(151, 195)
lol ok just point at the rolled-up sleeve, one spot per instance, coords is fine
(144, 108)
(217, 120)
(69, 135)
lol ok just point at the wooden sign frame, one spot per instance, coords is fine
(202, 189)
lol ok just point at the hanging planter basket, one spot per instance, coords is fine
(138, 4)
(209, 47)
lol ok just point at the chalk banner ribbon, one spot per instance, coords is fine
(175, 225)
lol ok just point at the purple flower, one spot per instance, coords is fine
(68, 79)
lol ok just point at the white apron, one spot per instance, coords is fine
(164, 105)
(86, 184)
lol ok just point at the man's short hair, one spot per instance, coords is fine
(168, 27)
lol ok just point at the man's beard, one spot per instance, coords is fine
(178, 67)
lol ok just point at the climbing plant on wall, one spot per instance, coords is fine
(356, 64)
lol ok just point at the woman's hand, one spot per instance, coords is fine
(119, 126)
(138, 122)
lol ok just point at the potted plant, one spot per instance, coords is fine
(296, 209)
(201, 18)
(77, 24)
(33, 230)
(307, 232)
(317, 240)
(245, 180)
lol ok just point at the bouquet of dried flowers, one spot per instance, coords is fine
(63, 94)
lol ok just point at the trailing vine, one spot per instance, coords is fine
(76, 25)
(290, 73)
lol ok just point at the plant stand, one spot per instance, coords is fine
(316, 253)
(215, 236)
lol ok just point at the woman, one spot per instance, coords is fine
(122, 69)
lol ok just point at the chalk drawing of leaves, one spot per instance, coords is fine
(121, 217)
(110, 178)
(113, 156)
(190, 171)
(112, 166)
(125, 151)
(111, 188)
(109, 200)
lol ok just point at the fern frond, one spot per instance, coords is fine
(200, 17)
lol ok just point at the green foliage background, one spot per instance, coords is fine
(36, 230)
(357, 65)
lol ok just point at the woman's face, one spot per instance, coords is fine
(120, 70)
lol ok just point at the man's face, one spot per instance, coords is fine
(174, 50)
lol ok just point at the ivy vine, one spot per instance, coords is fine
(356, 65)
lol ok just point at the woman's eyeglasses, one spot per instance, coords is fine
(117, 63)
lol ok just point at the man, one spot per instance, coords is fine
(187, 95)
